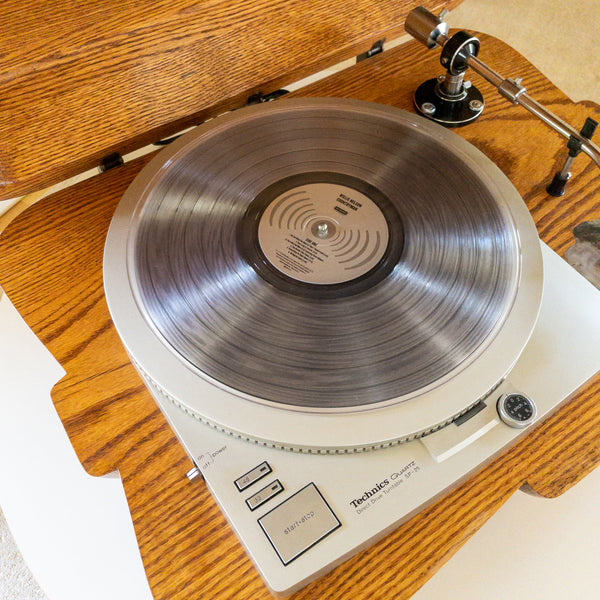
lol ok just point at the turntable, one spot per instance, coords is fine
(291, 277)
(345, 314)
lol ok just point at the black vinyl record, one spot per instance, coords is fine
(323, 256)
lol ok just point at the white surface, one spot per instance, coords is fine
(74, 530)
(533, 548)
(16, 581)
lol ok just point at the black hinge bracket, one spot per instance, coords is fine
(110, 161)
(376, 48)
(259, 97)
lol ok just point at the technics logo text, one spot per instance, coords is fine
(357, 501)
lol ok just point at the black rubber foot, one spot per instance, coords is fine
(556, 187)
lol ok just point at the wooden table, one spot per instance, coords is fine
(51, 268)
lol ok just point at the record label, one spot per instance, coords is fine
(323, 233)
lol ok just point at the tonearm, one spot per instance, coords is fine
(453, 102)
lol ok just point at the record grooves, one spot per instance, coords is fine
(398, 328)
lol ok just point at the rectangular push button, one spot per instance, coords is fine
(265, 494)
(251, 477)
(299, 523)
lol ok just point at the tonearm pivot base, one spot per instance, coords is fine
(447, 99)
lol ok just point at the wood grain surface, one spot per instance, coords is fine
(79, 80)
(51, 268)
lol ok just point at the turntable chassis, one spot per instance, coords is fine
(113, 422)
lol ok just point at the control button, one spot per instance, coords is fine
(516, 410)
(265, 494)
(245, 481)
(299, 523)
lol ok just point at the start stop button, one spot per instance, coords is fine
(299, 523)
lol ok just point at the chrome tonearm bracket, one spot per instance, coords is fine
(447, 98)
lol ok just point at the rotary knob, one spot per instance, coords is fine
(516, 410)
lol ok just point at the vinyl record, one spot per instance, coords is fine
(322, 255)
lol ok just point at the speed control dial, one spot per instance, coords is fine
(516, 410)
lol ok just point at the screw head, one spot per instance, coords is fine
(427, 108)
(476, 105)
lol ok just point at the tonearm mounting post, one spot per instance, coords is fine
(448, 98)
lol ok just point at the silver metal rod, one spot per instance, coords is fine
(564, 173)
(453, 84)
(486, 72)
(534, 107)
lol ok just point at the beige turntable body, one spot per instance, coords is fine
(114, 78)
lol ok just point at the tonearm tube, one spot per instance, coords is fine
(449, 98)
